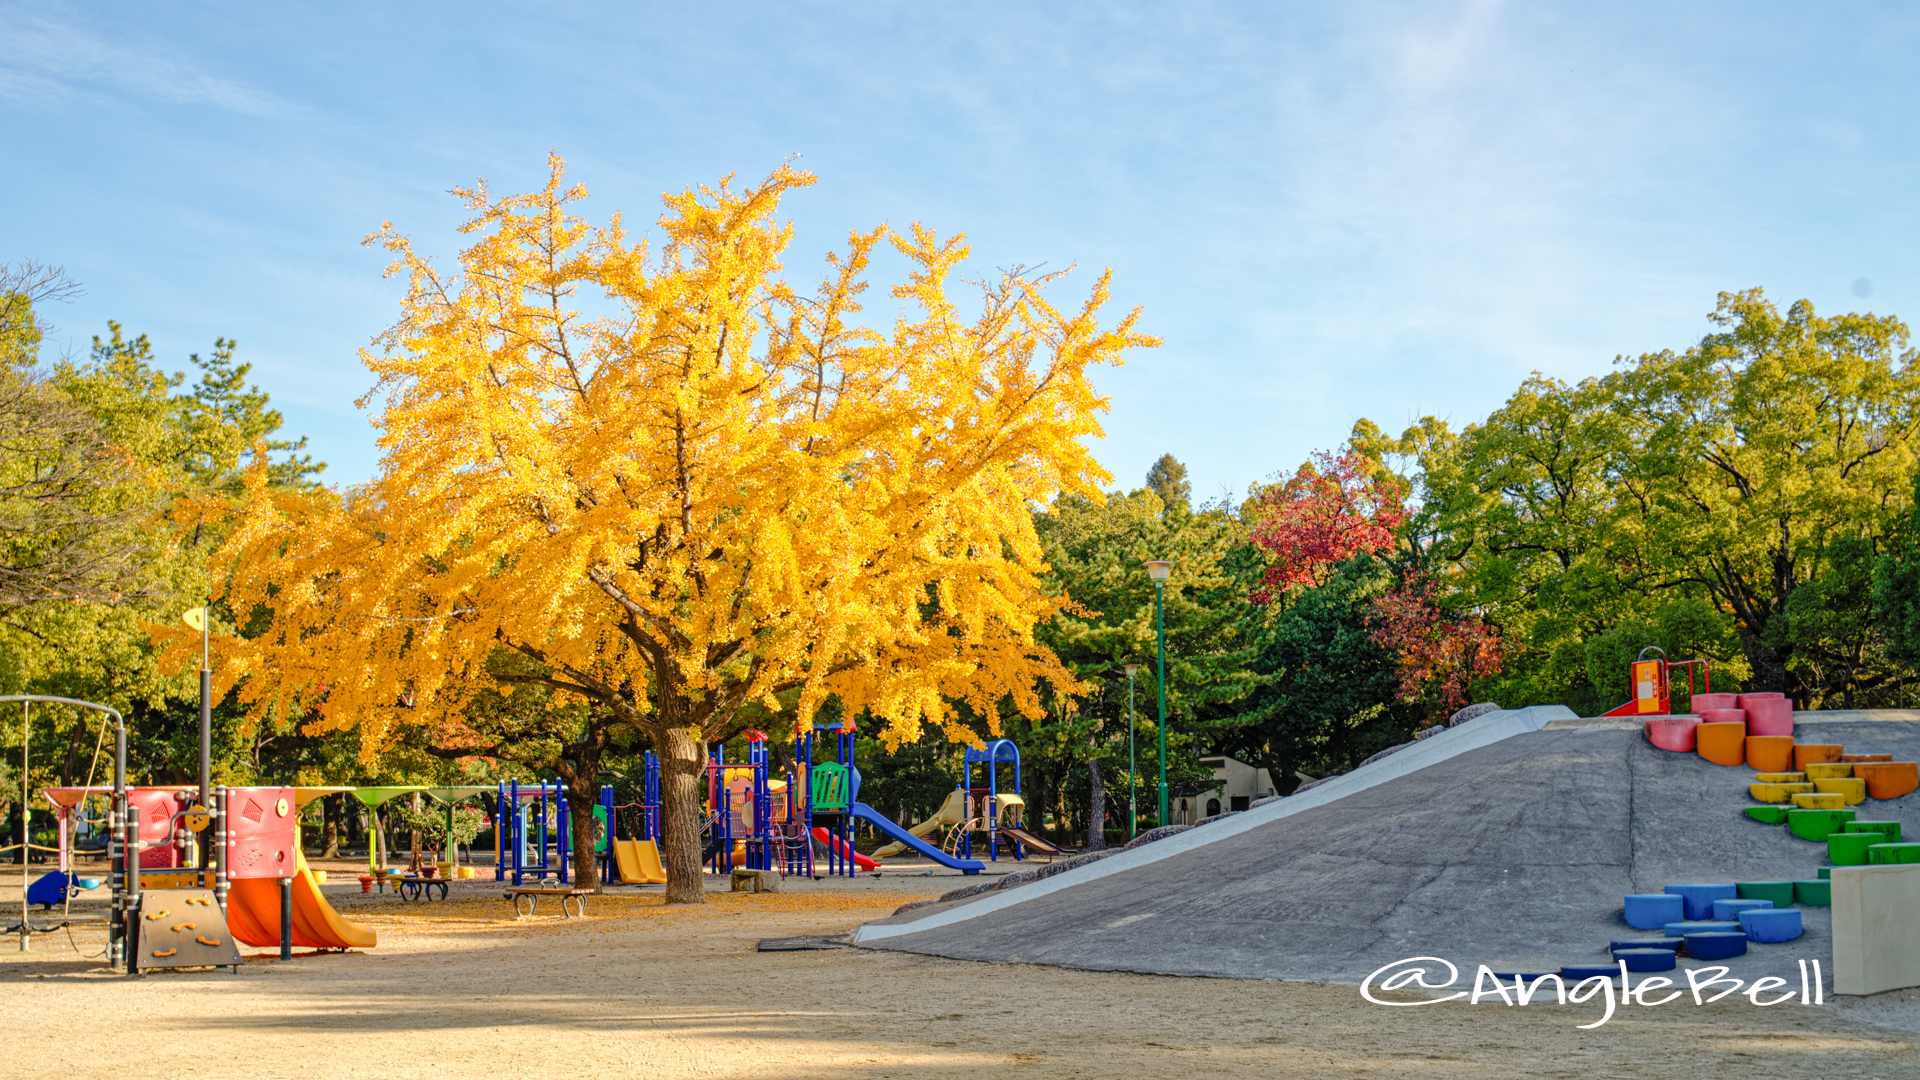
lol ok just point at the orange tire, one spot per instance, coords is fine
(1889, 779)
(1770, 753)
(1722, 744)
(1805, 754)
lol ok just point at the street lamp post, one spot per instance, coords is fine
(1158, 570)
(1133, 775)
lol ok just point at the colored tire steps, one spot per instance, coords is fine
(1780, 778)
(1729, 910)
(1674, 733)
(1700, 897)
(1865, 759)
(1850, 848)
(1667, 943)
(1778, 893)
(1576, 972)
(1702, 926)
(1889, 779)
(1769, 753)
(1653, 911)
(1717, 944)
(1890, 830)
(1817, 825)
(1853, 792)
(1813, 893)
(1768, 716)
(1819, 800)
(1721, 743)
(1649, 959)
(1893, 854)
(1770, 926)
(1768, 815)
(1828, 770)
(1779, 793)
(1805, 754)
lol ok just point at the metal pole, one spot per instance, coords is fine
(1133, 773)
(26, 831)
(1160, 632)
(117, 852)
(286, 918)
(206, 726)
(221, 827)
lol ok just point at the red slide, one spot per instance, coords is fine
(840, 849)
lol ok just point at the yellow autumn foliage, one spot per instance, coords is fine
(673, 485)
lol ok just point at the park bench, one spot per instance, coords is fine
(526, 901)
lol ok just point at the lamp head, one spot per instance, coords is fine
(1159, 569)
(1132, 669)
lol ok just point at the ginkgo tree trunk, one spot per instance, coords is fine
(670, 484)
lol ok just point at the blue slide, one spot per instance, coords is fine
(880, 821)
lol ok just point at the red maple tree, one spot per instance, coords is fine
(1436, 649)
(1332, 508)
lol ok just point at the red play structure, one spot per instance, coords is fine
(1652, 684)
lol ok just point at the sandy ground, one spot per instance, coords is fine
(640, 989)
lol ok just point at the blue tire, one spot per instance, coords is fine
(1648, 959)
(1729, 910)
(1651, 911)
(1700, 898)
(1716, 945)
(1771, 926)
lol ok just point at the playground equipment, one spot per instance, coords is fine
(833, 794)
(527, 822)
(743, 814)
(969, 809)
(634, 858)
(1653, 685)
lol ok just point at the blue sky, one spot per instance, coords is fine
(1329, 211)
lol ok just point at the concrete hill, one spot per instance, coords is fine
(1492, 843)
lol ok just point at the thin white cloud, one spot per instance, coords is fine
(43, 58)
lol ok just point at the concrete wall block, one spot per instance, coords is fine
(1876, 928)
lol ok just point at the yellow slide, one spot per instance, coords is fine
(638, 862)
(253, 914)
(951, 813)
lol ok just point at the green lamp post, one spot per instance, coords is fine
(1133, 773)
(1159, 570)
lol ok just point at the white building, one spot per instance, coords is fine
(1236, 785)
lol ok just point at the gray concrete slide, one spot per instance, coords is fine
(1502, 845)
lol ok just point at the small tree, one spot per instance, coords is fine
(1331, 509)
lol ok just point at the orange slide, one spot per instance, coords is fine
(253, 914)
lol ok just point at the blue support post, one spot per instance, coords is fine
(518, 829)
(563, 835)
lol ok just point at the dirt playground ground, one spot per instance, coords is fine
(460, 988)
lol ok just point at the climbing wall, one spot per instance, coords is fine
(183, 928)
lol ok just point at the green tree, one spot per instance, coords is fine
(1095, 553)
(1329, 692)
(1730, 498)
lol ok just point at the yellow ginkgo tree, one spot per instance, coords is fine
(666, 486)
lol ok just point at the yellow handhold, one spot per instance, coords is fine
(1829, 770)
(1852, 790)
(1777, 793)
(1780, 777)
(179, 926)
(1820, 801)
(201, 900)
(158, 915)
(215, 942)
